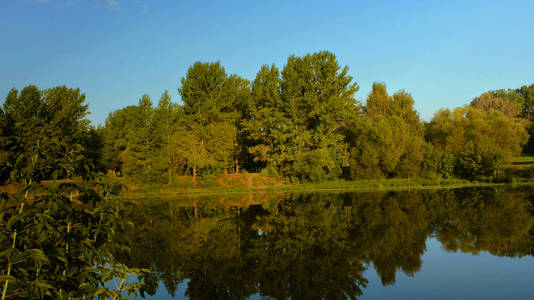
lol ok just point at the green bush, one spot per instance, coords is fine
(317, 165)
(438, 162)
(269, 171)
(479, 160)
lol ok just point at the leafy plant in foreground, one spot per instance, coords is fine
(58, 246)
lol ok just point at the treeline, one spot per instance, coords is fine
(302, 123)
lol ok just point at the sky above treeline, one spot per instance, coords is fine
(442, 52)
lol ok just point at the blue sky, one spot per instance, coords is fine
(442, 52)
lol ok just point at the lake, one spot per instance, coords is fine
(472, 243)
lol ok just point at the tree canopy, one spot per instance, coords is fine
(300, 123)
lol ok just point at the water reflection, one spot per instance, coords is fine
(304, 246)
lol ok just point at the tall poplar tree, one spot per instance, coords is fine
(138, 161)
(116, 135)
(206, 119)
(237, 102)
(265, 127)
(166, 120)
(317, 102)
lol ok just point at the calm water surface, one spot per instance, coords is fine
(446, 244)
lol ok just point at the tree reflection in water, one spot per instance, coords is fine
(303, 246)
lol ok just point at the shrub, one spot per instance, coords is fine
(269, 171)
(317, 165)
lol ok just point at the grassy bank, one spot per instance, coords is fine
(519, 172)
(340, 185)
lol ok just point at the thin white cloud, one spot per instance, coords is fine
(143, 7)
(112, 4)
(140, 6)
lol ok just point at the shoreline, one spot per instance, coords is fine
(360, 186)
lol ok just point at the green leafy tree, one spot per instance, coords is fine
(516, 103)
(527, 93)
(507, 104)
(45, 133)
(238, 98)
(208, 115)
(5, 153)
(138, 161)
(387, 141)
(481, 141)
(314, 103)
(267, 133)
(166, 121)
(116, 136)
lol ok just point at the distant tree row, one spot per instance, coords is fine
(302, 123)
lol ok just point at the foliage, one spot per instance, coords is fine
(56, 247)
(438, 162)
(506, 103)
(301, 122)
(214, 106)
(264, 127)
(527, 93)
(63, 240)
(44, 133)
(269, 171)
(318, 165)
(299, 116)
(481, 141)
(387, 140)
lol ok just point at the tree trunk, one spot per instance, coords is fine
(170, 171)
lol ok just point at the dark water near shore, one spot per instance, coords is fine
(474, 243)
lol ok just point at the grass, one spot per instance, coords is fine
(333, 186)
(522, 161)
(519, 171)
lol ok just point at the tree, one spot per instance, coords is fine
(5, 154)
(527, 93)
(207, 109)
(383, 148)
(138, 161)
(507, 106)
(481, 141)
(54, 247)
(238, 102)
(314, 103)
(116, 135)
(266, 131)
(515, 103)
(399, 105)
(387, 141)
(165, 122)
(45, 132)
(67, 110)
(201, 93)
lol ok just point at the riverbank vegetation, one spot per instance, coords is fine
(295, 125)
